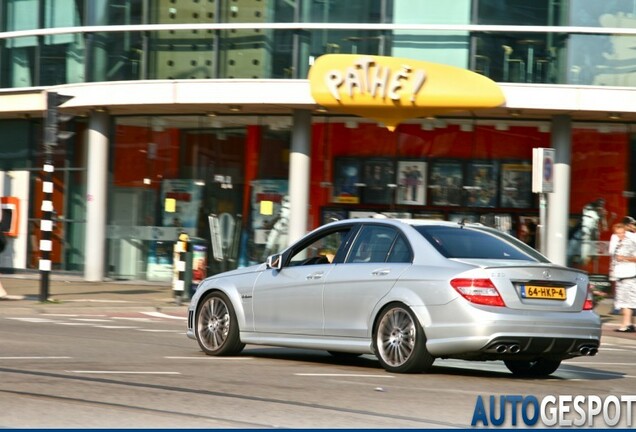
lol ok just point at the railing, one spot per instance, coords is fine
(527, 54)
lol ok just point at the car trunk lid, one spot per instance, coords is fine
(534, 286)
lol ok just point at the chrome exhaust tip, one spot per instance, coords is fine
(514, 349)
(501, 349)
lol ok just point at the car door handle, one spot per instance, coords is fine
(381, 272)
(314, 276)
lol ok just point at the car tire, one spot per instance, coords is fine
(399, 342)
(216, 327)
(532, 368)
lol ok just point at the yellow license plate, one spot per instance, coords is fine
(542, 292)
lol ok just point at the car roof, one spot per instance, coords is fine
(412, 222)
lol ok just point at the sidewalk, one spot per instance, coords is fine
(70, 294)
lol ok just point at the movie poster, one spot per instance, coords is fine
(347, 175)
(270, 218)
(446, 183)
(480, 184)
(378, 176)
(516, 185)
(411, 182)
(181, 202)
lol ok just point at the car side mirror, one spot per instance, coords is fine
(274, 262)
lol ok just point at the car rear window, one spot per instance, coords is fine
(465, 242)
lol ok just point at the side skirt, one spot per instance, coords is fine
(352, 345)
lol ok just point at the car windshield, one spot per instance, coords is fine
(474, 242)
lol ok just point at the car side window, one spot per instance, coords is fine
(372, 244)
(321, 250)
(400, 253)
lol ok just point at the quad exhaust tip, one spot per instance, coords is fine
(507, 348)
(588, 350)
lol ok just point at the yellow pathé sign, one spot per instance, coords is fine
(391, 90)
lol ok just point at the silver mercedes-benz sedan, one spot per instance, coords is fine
(407, 291)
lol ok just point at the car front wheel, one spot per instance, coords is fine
(399, 341)
(216, 327)
(532, 368)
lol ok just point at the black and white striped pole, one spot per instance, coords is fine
(46, 229)
(52, 136)
(180, 280)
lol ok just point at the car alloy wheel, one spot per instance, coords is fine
(216, 326)
(399, 341)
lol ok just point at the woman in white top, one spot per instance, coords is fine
(630, 231)
(625, 293)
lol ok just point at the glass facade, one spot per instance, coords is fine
(174, 172)
(536, 56)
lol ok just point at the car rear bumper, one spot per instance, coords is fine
(492, 333)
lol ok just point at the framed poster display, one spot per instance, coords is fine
(411, 182)
(378, 174)
(361, 214)
(499, 221)
(480, 184)
(347, 178)
(397, 215)
(358, 214)
(516, 185)
(445, 183)
(330, 215)
(429, 215)
(270, 218)
(463, 217)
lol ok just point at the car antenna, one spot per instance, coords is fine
(462, 222)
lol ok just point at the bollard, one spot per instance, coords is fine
(179, 280)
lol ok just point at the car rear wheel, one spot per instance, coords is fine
(216, 327)
(532, 368)
(399, 341)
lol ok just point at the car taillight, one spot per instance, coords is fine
(589, 300)
(479, 291)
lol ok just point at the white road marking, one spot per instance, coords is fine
(123, 372)
(32, 320)
(616, 349)
(73, 323)
(132, 319)
(207, 358)
(163, 315)
(344, 375)
(116, 327)
(62, 315)
(35, 358)
(161, 331)
(98, 301)
(91, 319)
(74, 315)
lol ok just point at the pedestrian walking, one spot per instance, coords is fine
(623, 271)
(630, 231)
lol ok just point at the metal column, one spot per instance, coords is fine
(97, 167)
(559, 201)
(299, 174)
